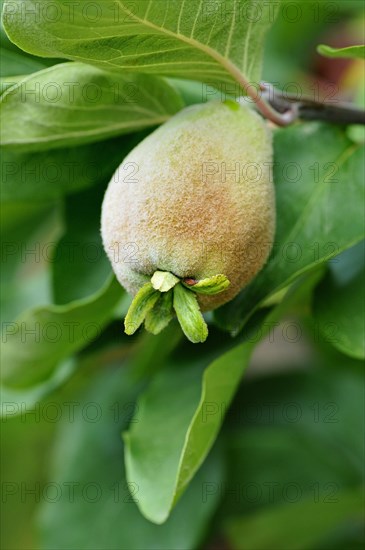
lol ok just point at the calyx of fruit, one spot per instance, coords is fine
(157, 300)
(188, 218)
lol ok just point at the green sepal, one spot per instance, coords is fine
(164, 281)
(142, 303)
(211, 285)
(189, 315)
(161, 314)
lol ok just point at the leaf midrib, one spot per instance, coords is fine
(220, 59)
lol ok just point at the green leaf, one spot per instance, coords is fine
(34, 345)
(142, 303)
(296, 526)
(15, 402)
(163, 280)
(212, 42)
(13, 60)
(46, 175)
(339, 299)
(161, 314)
(73, 103)
(16, 63)
(352, 52)
(180, 415)
(189, 315)
(89, 455)
(314, 163)
(80, 266)
(29, 233)
(212, 285)
(8, 82)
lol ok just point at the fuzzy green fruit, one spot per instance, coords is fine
(194, 199)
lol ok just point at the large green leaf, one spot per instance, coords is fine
(74, 103)
(315, 164)
(352, 52)
(45, 175)
(179, 418)
(198, 40)
(34, 344)
(176, 428)
(339, 301)
(89, 454)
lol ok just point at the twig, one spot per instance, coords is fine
(307, 109)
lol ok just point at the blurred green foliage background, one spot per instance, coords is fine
(286, 471)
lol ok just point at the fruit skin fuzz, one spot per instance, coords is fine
(194, 199)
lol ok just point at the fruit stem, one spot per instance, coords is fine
(306, 108)
(279, 118)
